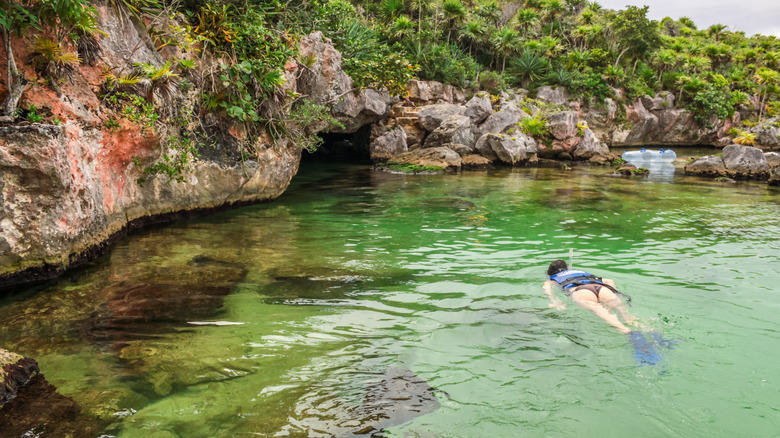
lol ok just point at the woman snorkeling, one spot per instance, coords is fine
(590, 292)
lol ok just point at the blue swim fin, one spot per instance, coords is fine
(662, 342)
(644, 352)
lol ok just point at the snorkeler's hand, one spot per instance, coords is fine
(558, 306)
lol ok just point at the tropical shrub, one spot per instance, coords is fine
(535, 127)
(745, 138)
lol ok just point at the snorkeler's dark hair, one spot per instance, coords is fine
(556, 267)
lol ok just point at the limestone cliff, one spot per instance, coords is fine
(67, 189)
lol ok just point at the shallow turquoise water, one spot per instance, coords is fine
(355, 272)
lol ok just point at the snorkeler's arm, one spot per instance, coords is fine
(554, 301)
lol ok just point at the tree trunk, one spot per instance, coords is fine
(617, 61)
(15, 80)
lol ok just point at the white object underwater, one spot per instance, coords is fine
(649, 156)
(658, 162)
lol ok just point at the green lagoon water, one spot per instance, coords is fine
(279, 319)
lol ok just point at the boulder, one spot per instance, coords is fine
(474, 161)
(479, 108)
(774, 177)
(511, 150)
(431, 117)
(745, 162)
(432, 91)
(563, 125)
(590, 147)
(455, 129)
(557, 95)
(388, 145)
(442, 157)
(709, 165)
(498, 122)
(772, 159)
(461, 149)
(15, 372)
(631, 170)
(767, 135)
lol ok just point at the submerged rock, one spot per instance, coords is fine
(394, 398)
(40, 411)
(15, 372)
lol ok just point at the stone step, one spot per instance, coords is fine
(406, 121)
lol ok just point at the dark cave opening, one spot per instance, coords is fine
(342, 147)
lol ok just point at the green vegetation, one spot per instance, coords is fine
(534, 126)
(410, 168)
(241, 53)
(66, 19)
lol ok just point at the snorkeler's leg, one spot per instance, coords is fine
(611, 300)
(587, 300)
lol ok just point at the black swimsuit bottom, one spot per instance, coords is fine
(593, 287)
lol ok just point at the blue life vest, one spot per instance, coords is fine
(571, 278)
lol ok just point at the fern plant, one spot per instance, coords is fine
(50, 60)
(161, 81)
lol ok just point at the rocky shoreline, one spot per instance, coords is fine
(70, 189)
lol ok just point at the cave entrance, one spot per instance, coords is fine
(342, 148)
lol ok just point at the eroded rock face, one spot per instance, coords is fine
(69, 189)
(454, 129)
(557, 95)
(426, 92)
(388, 145)
(745, 162)
(563, 125)
(431, 117)
(502, 120)
(325, 83)
(474, 161)
(64, 195)
(590, 147)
